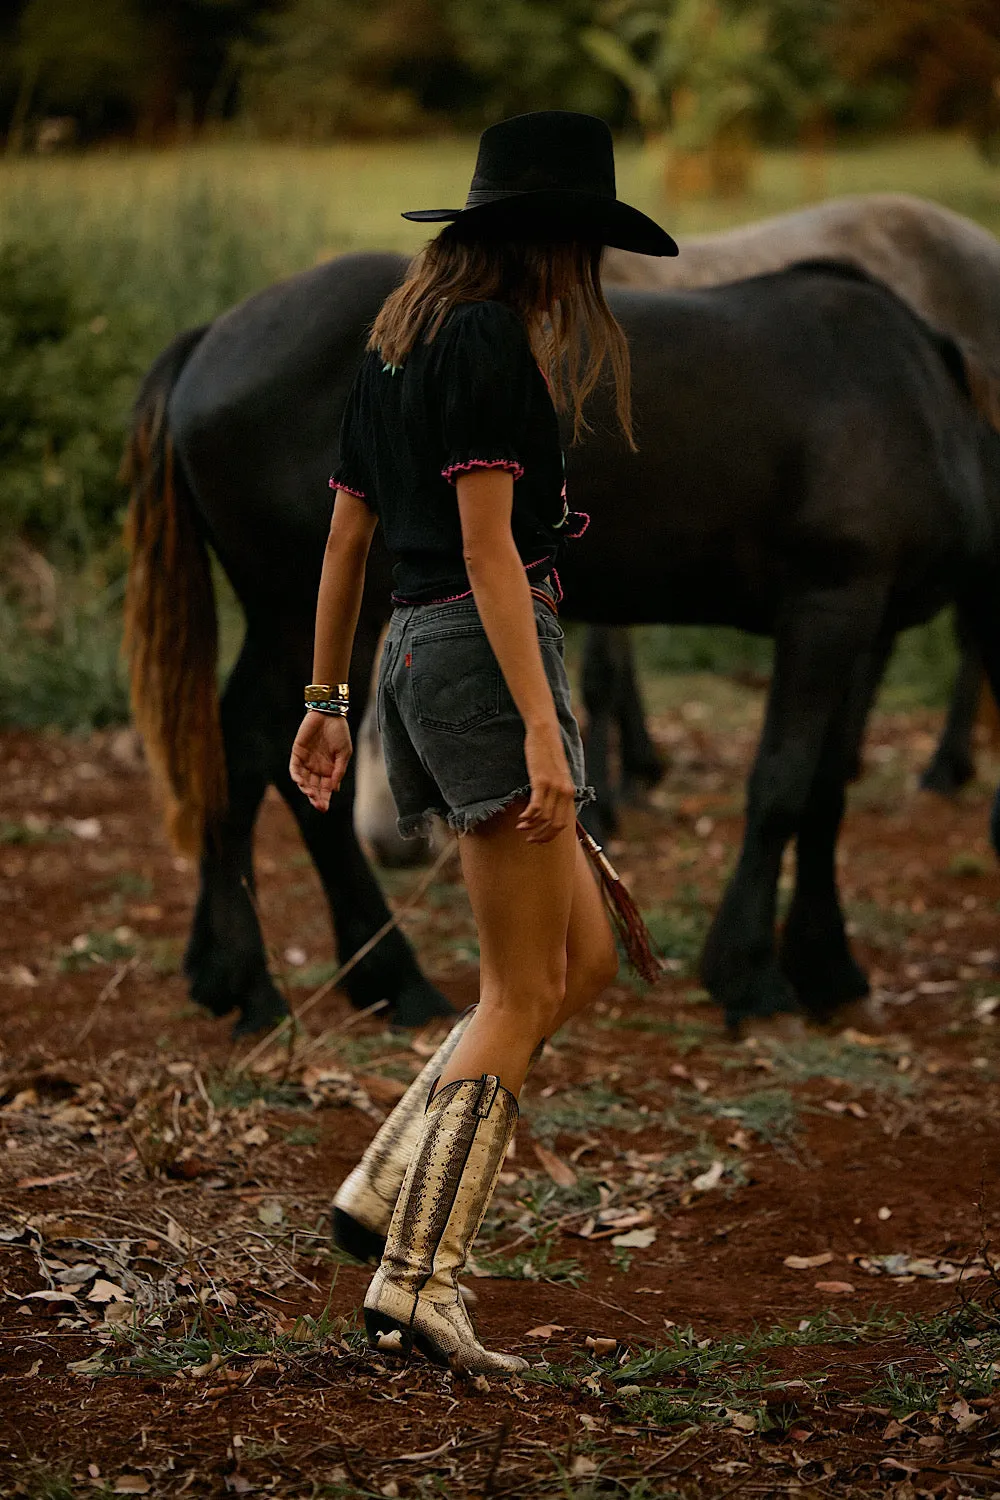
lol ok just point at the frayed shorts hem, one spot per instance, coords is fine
(464, 819)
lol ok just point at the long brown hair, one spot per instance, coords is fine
(554, 287)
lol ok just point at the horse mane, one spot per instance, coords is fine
(975, 375)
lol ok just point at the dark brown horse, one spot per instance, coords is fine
(810, 466)
(943, 266)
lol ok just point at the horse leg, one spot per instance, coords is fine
(815, 954)
(817, 649)
(641, 762)
(599, 686)
(225, 963)
(980, 609)
(953, 766)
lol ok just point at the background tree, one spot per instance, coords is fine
(523, 55)
(707, 69)
(939, 60)
(89, 60)
(319, 69)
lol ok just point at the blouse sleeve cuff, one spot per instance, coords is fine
(349, 489)
(511, 466)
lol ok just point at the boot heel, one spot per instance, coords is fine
(377, 1323)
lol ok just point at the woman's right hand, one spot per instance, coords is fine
(552, 805)
(320, 757)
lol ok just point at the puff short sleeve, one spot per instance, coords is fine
(351, 473)
(487, 375)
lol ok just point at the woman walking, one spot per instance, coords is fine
(450, 439)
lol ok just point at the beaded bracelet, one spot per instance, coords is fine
(335, 708)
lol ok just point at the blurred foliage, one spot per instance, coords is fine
(698, 66)
(313, 69)
(69, 373)
(60, 645)
(939, 59)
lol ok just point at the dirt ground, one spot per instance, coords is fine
(760, 1267)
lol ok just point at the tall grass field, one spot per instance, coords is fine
(104, 257)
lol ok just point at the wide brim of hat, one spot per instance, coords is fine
(559, 213)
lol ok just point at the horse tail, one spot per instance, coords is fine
(171, 631)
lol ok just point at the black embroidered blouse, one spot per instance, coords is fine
(473, 398)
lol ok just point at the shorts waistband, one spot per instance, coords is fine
(547, 591)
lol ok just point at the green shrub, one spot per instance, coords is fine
(69, 375)
(60, 658)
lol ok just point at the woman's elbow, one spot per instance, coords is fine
(483, 559)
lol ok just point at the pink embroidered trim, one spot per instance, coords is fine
(338, 484)
(583, 521)
(510, 464)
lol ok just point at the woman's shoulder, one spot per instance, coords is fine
(483, 320)
(480, 339)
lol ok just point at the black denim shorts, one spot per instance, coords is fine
(451, 733)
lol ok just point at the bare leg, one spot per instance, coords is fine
(545, 945)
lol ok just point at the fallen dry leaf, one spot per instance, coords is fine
(743, 1421)
(21, 975)
(808, 1262)
(835, 1288)
(621, 1219)
(561, 1172)
(132, 1484)
(106, 1291)
(118, 1312)
(545, 1331)
(44, 1296)
(257, 1135)
(583, 1467)
(88, 829)
(636, 1239)
(709, 1179)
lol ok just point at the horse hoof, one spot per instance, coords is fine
(866, 1016)
(947, 778)
(418, 1005)
(260, 1013)
(784, 1026)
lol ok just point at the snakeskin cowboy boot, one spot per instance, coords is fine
(445, 1194)
(363, 1205)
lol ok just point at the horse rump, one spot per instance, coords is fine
(171, 632)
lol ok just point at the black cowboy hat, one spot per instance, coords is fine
(553, 173)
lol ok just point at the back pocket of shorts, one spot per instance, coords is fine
(455, 680)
